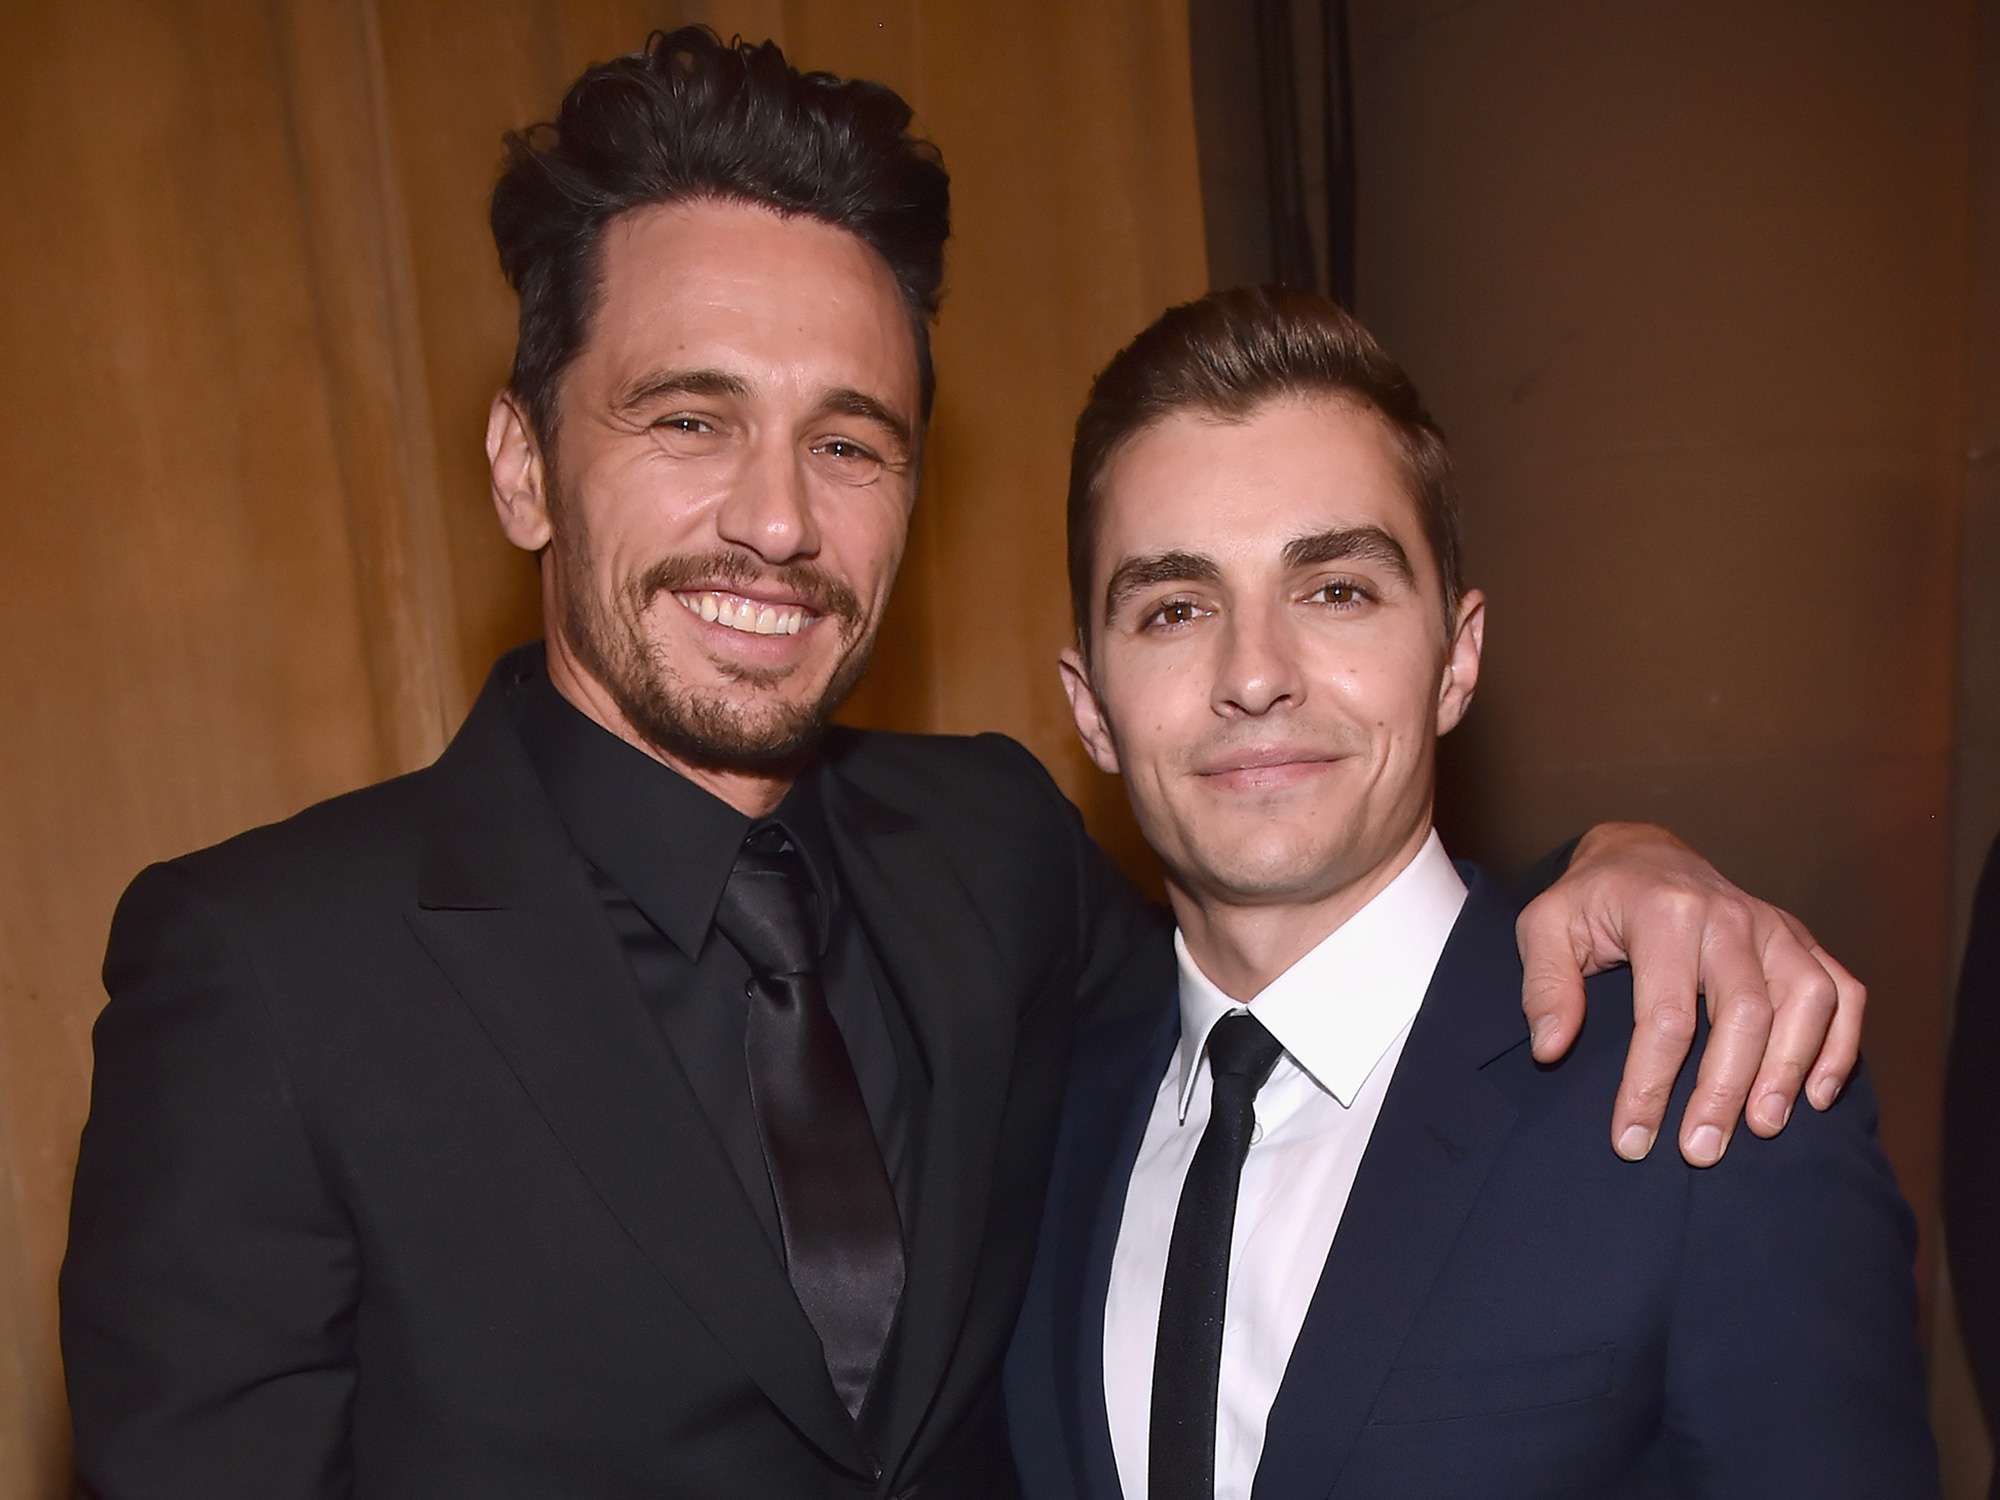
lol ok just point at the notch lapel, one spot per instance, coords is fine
(505, 912)
(1120, 1070)
(1441, 1128)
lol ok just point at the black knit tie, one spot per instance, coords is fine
(836, 1212)
(1187, 1359)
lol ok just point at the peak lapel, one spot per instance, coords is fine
(508, 917)
(1441, 1127)
(930, 937)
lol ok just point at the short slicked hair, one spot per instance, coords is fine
(1226, 355)
(689, 118)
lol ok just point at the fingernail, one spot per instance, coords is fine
(1704, 1147)
(1545, 1027)
(1635, 1143)
(1822, 1092)
(1774, 1111)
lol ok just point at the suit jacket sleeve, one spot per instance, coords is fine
(1793, 1366)
(1546, 871)
(1117, 935)
(1122, 937)
(208, 1291)
(1970, 1181)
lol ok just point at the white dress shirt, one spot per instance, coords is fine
(1341, 1014)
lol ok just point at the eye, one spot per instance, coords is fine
(1342, 594)
(846, 459)
(1172, 614)
(687, 434)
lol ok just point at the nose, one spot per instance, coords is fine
(769, 508)
(1259, 669)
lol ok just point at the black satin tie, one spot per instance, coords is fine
(1187, 1358)
(836, 1211)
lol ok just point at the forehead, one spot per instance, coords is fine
(784, 300)
(1239, 490)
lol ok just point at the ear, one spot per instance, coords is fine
(1091, 725)
(514, 460)
(1461, 663)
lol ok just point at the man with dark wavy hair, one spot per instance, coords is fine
(652, 1096)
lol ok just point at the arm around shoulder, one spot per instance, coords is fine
(211, 1275)
(1793, 1363)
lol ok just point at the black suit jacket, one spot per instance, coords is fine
(1508, 1310)
(391, 1187)
(1970, 1170)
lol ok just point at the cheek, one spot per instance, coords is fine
(653, 502)
(862, 536)
(1159, 703)
(1393, 692)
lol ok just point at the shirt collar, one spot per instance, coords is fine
(664, 842)
(1337, 1010)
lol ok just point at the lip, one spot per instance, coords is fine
(775, 597)
(1258, 767)
(1264, 758)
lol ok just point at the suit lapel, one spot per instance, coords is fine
(1120, 1069)
(941, 963)
(506, 914)
(1440, 1130)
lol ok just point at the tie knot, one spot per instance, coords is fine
(1239, 1047)
(766, 907)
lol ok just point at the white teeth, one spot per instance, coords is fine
(743, 614)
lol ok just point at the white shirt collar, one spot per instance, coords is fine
(1336, 1011)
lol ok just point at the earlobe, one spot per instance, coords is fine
(1091, 725)
(514, 462)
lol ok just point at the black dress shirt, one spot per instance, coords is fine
(658, 850)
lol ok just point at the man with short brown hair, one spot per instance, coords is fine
(1326, 1228)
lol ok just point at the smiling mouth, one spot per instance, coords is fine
(750, 616)
(1267, 770)
(1252, 762)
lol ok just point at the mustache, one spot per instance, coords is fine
(809, 583)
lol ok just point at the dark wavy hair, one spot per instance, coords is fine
(1224, 356)
(691, 117)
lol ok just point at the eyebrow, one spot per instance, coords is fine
(1351, 543)
(845, 401)
(1134, 574)
(660, 384)
(841, 401)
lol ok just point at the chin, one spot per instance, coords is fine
(1276, 871)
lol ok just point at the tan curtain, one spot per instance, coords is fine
(252, 322)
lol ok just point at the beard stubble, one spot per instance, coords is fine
(681, 722)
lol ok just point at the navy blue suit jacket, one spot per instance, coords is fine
(1509, 1309)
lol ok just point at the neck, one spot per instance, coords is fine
(755, 794)
(1242, 945)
